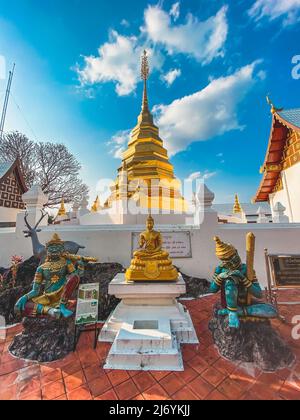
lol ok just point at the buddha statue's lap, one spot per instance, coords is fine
(241, 296)
(151, 262)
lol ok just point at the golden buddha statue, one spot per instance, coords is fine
(151, 262)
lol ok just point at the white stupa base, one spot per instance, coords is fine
(148, 326)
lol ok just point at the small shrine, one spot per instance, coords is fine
(149, 325)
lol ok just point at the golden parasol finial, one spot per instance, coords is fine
(145, 69)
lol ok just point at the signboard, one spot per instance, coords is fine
(87, 304)
(177, 244)
(285, 270)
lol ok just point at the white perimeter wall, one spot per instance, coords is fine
(290, 194)
(8, 215)
(113, 243)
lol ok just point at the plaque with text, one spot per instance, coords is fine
(87, 304)
(177, 244)
(285, 270)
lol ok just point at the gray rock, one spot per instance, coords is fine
(195, 287)
(44, 340)
(253, 342)
(11, 292)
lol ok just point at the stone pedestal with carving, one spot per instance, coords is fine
(148, 326)
(253, 342)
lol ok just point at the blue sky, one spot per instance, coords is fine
(213, 62)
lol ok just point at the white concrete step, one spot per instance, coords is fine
(155, 360)
(145, 336)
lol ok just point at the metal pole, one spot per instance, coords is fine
(6, 100)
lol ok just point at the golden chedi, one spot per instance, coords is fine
(151, 262)
(151, 181)
(237, 208)
(96, 206)
(62, 210)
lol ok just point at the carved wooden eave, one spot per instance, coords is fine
(274, 161)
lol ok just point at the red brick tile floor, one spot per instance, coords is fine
(207, 376)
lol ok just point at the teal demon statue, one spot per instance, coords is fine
(241, 294)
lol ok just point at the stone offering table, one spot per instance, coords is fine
(148, 326)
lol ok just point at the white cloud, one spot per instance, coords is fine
(171, 76)
(202, 40)
(262, 74)
(273, 9)
(175, 11)
(205, 114)
(125, 23)
(117, 61)
(118, 143)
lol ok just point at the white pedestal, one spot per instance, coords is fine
(148, 326)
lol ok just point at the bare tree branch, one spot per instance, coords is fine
(50, 165)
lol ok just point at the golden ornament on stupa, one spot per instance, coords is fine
(62, 209)
(224, 251)
(237, 209)
(151, 262)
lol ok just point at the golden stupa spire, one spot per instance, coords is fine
(145, 118)
(62, 209)
(237, 208)
(145, 71)
(96, 206)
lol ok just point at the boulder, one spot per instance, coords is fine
(44, 340)
(253, 342)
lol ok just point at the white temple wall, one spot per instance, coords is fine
(289, 196)
(8, 215)
(113, 243)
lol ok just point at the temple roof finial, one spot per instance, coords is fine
(145, 71)
(273, 107)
